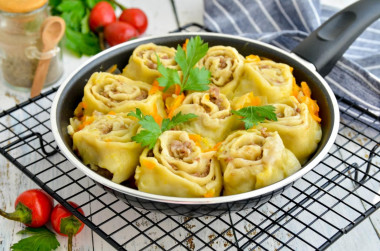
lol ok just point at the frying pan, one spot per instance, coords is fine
(311, 59)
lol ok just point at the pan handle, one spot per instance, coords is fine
(326, 45)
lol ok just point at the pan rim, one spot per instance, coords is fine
(195, 201)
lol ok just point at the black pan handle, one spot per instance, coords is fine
(326, 45)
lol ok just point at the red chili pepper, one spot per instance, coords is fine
(33, 208)
(65, 223)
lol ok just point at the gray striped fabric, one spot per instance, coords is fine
(284, 23)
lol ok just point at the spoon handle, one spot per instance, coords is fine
(40, 77)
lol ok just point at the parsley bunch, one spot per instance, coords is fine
(152, 130)
(79, 38)
(40, 239)
(193, 78)
(252, 115)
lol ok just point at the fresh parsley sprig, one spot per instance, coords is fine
(193, 78)
(79, 39)
(252, 115)
(152, 130)
(40, 239)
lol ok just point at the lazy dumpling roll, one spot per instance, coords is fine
(225, 64)
(253, 159)
(107, 143)
(143, 62)
(176, 166)
(105, 92)
(266, 78)
(297, 128)
(213, 109)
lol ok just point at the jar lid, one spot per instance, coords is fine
(21, 6)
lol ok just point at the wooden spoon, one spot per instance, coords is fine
(52, 31)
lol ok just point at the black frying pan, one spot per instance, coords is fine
(311, 59)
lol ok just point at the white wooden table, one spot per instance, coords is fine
(162, 19)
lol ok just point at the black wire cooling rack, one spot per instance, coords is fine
(319, 208)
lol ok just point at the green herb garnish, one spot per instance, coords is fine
(193, 78)
(252, 115)
(40, 239)
(79, 38)
(152, 130)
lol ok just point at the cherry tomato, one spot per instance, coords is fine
(101, 15)
(33, 208)
(136, 18)
(119, 32)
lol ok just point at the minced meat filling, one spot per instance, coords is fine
(180, 149)
(215, 97)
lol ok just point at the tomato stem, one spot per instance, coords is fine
(122, 7)
(22, 214)
(101, 40)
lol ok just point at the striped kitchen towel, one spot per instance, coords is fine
(284, 23)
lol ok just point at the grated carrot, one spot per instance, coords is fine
(111, 113)
(85, 122)
(177, 89)
(176, 103)
(214, 148)
(313, 107)
(253, 58)
(78, 112)
(148, 164)
(184, 46)
(209, 194)
(255, 101)
(112, 69)
(156, 116)
(207, 97)
(174, 89)
(303, 95)
(296, 89)
(305, 89)
(155, 87)
(248, 99)
(196, 138)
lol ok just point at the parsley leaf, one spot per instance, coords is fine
(152, 130)
(252, 115)
(79, 38)
(167, 124)
(198, 80)
(41, 239)
(193, 79)
(169, 76)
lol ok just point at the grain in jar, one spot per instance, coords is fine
(20, 43)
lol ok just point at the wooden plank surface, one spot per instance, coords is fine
(162, 19)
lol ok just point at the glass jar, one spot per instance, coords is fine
(20, 49)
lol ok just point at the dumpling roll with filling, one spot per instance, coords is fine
(142, 64)
(266, 78)
(107, 143)
(213, 109)
(253, 159)
(297, 128)
(105, 92)
(178, 167)
(225, 64)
